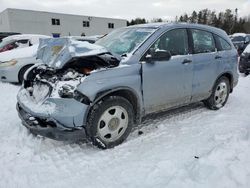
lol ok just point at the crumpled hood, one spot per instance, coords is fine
(57, 52)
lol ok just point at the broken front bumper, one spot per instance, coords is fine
(49, 129)
(56, 118)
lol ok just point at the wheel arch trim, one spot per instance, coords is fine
(123, 89)
(229, 75)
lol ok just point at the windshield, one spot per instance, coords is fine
(238, 39)
(5, 42)
(125, 40)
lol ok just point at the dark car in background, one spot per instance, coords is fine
(244, 65)
(240, 41)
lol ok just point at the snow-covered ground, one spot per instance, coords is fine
(189, 147)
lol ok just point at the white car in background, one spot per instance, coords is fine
(15, 62)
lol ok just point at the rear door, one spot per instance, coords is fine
(168, 82)
(205, 62)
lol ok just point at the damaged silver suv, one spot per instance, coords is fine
(100, 91)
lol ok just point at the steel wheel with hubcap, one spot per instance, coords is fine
(110, 121)
(112, 124)
(219, 94)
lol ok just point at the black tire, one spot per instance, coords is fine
(246, 73)
(22, 72)
(94, 120)
(211, 101)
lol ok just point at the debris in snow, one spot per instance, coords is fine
(100, 142)
(196, 157)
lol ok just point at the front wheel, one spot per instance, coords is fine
(219, 94)
(110, 121)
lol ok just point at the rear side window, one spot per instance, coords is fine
(174, 41)
(203, 41)
(222, 44)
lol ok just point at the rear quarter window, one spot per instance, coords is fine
(222, 44)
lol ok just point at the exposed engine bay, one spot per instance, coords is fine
(43, 81)
(65, 64)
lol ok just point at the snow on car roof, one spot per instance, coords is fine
(239, 35)
(33, 37)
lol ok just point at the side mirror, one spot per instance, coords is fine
(159, 55)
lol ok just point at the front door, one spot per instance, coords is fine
(167, 82)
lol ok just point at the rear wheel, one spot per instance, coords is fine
(22, 72)
(110, 121)
(219, 94)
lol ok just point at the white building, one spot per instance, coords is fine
(56, 24)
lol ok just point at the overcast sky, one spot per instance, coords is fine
(128, 9)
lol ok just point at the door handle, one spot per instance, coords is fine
(218, 57)
(186, 61)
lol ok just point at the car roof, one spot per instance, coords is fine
(25, 36)
(166, 25)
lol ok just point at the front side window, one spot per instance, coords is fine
(174, 41)
(125, 40)
(8, 45)
(6, 42)
(13, 44)
(203, 41)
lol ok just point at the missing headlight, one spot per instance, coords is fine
(68, 91)
(81, 98)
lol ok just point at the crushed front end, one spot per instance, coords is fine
(50, 105)
(49, 102)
